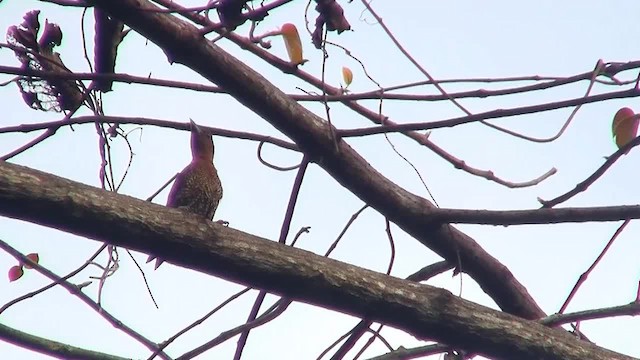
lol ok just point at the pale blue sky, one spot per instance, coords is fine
(451, 40)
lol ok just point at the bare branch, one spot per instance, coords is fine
(47, 287)
(493, 114)
(282, 239)
(584, 185)
(583, 277)
(50, 347)
(421, 310)
(535, 216)
(182, 43)
(76, 291)
(631, 309)
(54, 125)
(413, 353)
(373, 116)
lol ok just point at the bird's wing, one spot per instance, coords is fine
(177, 194)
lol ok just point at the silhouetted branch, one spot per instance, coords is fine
(536, 216)
(77, 292)
(373, 116)
(50, 347)
(631, 309)
(493, 114)
(583, 277)
(421, 310)
(182, 44)
(584, 185)
(383, 93)
(119, 120)
(49, 286)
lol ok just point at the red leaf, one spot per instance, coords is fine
(33, 257)
(15, 273)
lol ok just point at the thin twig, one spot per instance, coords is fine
(119, 120)
(199, 321)
(276, 310)
(585, 275)
(391, 244)
(74, 290)
(47, 134)
(584, 185)
(381, 93)
(492, 114)
(150, 198)
(284, 231)
(272, 166)
(49, 286)
(144, 278)
(631, 309)
(344, 230)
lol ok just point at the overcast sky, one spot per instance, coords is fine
(464, 39)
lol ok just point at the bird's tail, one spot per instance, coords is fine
(158, 261)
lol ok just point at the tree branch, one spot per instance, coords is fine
(50, 347)
(492, 114)
(183, 44)
(423, 311)
(537, 216)
(120, 120)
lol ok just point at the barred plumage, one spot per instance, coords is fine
(197, 188)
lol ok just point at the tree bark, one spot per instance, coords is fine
(423, 311)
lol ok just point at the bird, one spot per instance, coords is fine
(197, 188)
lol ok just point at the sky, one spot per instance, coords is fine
(464, 39)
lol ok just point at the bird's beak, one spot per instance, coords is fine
(195, 127)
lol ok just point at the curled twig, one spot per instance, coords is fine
(272, 166)
(600, 66)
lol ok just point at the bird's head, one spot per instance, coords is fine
(201, 143)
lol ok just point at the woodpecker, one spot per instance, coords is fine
(197, 188)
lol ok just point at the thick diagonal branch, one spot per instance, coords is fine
(423, 311)
(182, 43)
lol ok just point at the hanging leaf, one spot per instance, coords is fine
(15, 273)
(347, 75)
(53, 94)
(331, 14)
(109, 33)
(292, 42)
(625, 126)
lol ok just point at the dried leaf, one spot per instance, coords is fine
(230, 13)
(347, 75)
(624, 126)
(43, 94)
(108, 36)
(332, 14)
(293, 44)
